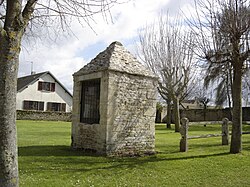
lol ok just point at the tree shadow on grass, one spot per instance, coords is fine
(62, 158)
(64, 151)
(124, 163)
(57, 150)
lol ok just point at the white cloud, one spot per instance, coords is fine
(66, 55)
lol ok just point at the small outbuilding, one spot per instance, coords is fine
(114, 105)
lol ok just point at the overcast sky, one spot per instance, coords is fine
(68, 54)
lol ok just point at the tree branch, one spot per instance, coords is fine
(13, 12)
(1, 2)
(28, 11)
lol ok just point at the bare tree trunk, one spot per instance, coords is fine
(176, 114)
(169, 114)
(236, 143)
(9, 58)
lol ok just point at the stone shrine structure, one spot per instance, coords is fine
(114, 105)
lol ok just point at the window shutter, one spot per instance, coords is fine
(53, 85)
(40, 85)
(63, 107)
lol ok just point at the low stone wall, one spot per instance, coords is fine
(43, 115)
(206, 115)
(210, 114)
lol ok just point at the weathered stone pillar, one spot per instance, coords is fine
(225, 131)
(184, 135)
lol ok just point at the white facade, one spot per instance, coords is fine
(31, 93)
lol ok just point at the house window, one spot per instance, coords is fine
(60, 107)
(33, 105)
(90, 101)
(46, 86)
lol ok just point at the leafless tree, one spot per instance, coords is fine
(222, 28)
(167, 49)
(16, 17)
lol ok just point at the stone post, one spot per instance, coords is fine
(225, 131)
(184, 135)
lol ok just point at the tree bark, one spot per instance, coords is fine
(176, 114)
(236, 143)
(169, 115)
(9, 58)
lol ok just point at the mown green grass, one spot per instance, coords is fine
(45, 159)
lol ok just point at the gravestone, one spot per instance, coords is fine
(114, 105)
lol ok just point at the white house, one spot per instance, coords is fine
(42, 92)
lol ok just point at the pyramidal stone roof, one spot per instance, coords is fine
(115, 57)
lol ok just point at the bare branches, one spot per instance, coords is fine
(1, 2)
(222, 29)
(2, 12)
(167, 49)
(64, 10)
(58, 14)
(219, 26)
(28, 10)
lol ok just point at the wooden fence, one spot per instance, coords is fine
(224, 132)
(184, 134)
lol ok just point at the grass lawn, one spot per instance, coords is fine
(45, 159)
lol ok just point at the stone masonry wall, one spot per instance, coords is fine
(131, 114)
(89, 137)
(210, 114)
(213, 114)
(43, 115)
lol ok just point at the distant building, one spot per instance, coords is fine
(191, 104)
(42, 92)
